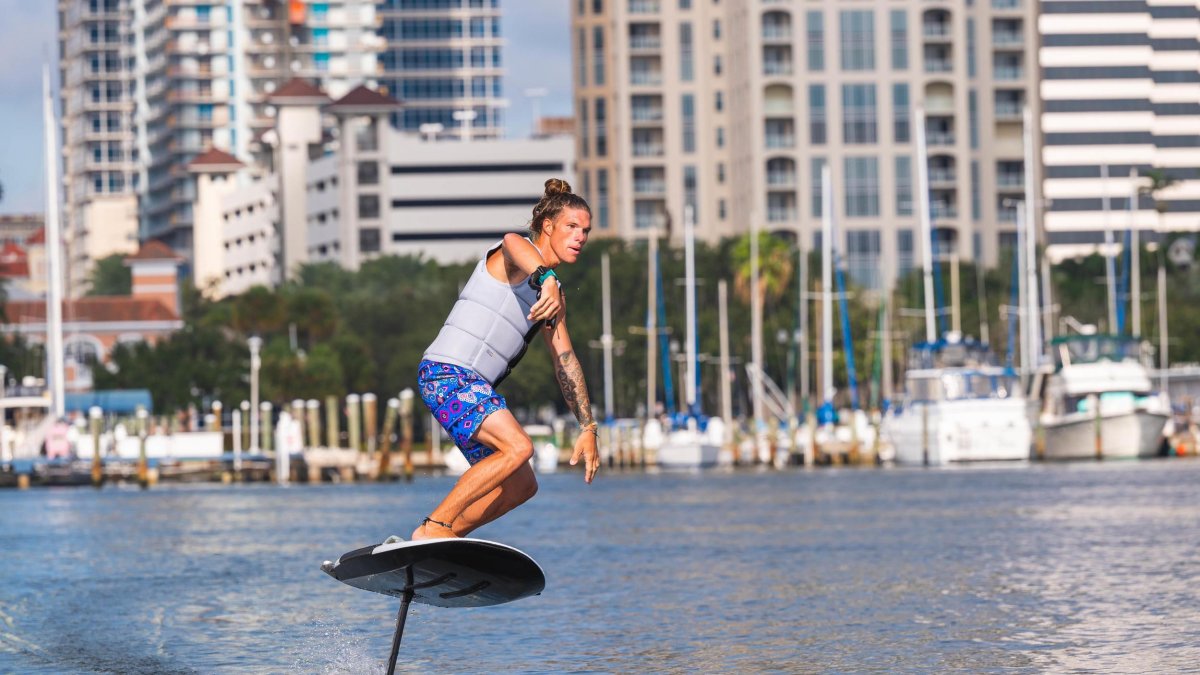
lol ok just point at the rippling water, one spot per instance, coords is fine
(1089, 566)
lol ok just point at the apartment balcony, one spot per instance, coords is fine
(942, 176)
(938, 65)
(780, 141)
(777, 68)
(1006, 214)
(1008, 40)
(782, 215)
(644, 43)
(1008, 182)
(780, 32)
(781, 180)
(1006, 5)
(1009, 110)
(647, 115)
(646, 78)
(644, 6)
(936, 31)
(939, 138)
(647, 149)
(943, 211)
(1010, 74)
(649, 188)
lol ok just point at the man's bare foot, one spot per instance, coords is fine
(433, 530)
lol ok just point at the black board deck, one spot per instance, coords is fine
(442, 572)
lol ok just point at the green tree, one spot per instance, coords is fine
(110, 276)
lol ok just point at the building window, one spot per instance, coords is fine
(368, 206)
(904, 250)
(720, 137)
(368, 240)
(597, 56)
(970, 47)
(601, 131)
(899, 39)
(717, 67)
(721, 173)
(858, 113)
(582, 35)
(368, 173)
(583, 128)
(976, 203)
(722, 213)
(901, 120)
(817, 164)
(863, 257)
(602, 198)
(973, 117)
(817, 120)
(686, 67)
(689, 123)
(719, 101)
(858, 39)
(862, 187)
(781, 207)
(815, 28)
(904, 186)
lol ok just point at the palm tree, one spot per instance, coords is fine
(774, 267)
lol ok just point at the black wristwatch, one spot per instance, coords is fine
(539, 276)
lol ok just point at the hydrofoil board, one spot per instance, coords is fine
(442, 572)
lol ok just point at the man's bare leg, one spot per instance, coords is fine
(514, 491)
(512, 450)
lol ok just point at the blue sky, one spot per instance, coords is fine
(537, 54)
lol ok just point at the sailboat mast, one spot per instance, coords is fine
(1031, 283)
(826, 283)
(1110, 260)
(689, 253)
(756, 354)
(926, 225)
(1135, 261)
(54, 341)
(606, 340)
(651, 322)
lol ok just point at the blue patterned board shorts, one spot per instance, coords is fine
(460, 400)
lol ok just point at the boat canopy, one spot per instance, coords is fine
(111, 401)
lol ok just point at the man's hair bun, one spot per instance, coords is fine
(556, 186)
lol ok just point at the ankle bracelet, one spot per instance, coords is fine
(436, 522)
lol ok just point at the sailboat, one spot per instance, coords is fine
(688, 447)
(958, 405)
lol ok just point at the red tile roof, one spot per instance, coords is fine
(14, 263)
(298, 91)
(215, 160)
(361, 100)
(154, 250)
(38, 237)
(93, 310)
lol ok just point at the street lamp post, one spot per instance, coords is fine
(255, 343)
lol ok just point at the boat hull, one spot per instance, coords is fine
(1123, 435)
(946, 432)
(687, 450)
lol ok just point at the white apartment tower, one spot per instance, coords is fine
(736, 104)
(167, 79)
(1121, 95)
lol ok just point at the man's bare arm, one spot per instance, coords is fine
(569, 373)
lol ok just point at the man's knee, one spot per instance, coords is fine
(518, 448)
(529, 489)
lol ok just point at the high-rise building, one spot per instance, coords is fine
(444, 60)
(150, 84)
(735, 106)
(1121, 95)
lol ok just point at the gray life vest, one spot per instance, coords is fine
(487, 331)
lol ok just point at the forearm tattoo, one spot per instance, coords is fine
(570, 379)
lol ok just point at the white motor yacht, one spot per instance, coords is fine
(958, 407)
(1098, 401)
